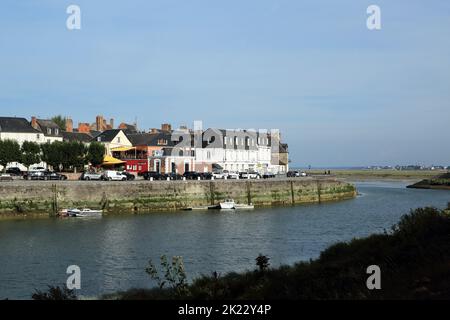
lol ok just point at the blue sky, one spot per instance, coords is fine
(340, 94)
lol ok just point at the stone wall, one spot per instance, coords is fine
(24, 197)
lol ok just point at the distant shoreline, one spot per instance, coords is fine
(408, 176)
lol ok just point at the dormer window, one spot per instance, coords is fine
(49, 131)
(56, 131)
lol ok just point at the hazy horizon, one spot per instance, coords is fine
(340, 94)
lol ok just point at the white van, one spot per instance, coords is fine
(114, 176)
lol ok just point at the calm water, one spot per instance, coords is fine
(112, 252)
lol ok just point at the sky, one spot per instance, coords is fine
(340, 94)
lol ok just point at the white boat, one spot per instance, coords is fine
(244, 206)
(227, 204)
(84, 213)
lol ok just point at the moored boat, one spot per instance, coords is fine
(84, 213)
(227, 204)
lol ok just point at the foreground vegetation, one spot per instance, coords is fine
(414, 258)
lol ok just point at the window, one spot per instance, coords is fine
(56, 131)
(49, 131)
(118, 139)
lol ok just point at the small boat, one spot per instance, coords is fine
(228, 204)
(84, 213)
(244, 206)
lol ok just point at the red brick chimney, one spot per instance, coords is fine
(84, 127)
(166, 127)
(69, 125)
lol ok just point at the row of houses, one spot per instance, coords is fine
(163, 150)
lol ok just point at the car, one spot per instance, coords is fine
(130, 176)
(14, 171)
(89, 175)
(153, 174)
(249, 175)
(112, 175)
(34, 175)
(205, 175)
(292, 174)
(230, 174)
(191, 175)
(50, 175)
(218, 175)
(174, 176)
(303, 174)
(268, 175)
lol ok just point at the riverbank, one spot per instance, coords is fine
(27, 198)
(441, 182)
(383, 174)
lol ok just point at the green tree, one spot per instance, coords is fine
(96, 152)
(64, 155)
(60, 121)
(31, 153)
(51, 154)
(9, 152)
(75, 155)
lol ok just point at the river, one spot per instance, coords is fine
(113, 252)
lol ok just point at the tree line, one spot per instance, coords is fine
(61, 155)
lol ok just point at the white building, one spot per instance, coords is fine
(236, 150)
(20, 130)
(112, 139)
(49, 129)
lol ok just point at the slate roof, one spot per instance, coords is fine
(150, 139)
(107, 135)
(45, 124)
(19, 125)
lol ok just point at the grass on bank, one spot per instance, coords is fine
(414, 258)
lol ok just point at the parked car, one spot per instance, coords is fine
(218, 175)
(174, 176)
(191, 175)
(49, 175)
(292, 174)
(268, 175)
(130, 176)
(230, 174)
(91, 176)
(153, 174)
(249, 175)
(34, 175)
(111, 175)
(205, 175)
(14, 171)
